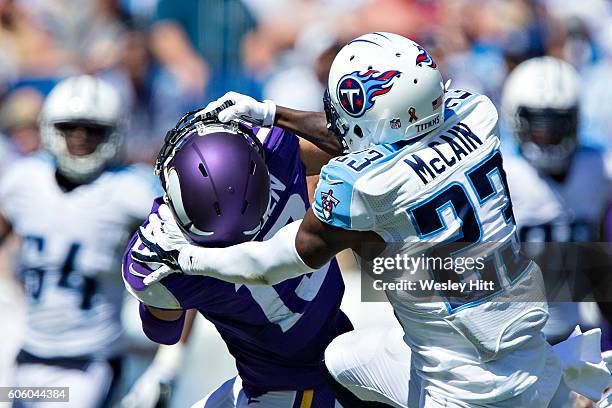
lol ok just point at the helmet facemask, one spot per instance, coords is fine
(81, 166)
(540, 103)
(82, 104)
(334, 122)
(547, 137)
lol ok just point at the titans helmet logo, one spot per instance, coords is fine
(425, 58)
(357, 92)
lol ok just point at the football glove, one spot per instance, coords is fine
(243, 107)
(162, 240)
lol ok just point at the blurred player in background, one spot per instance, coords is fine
(424, 167)
(560, 188)
(226, 184)
(74, 206)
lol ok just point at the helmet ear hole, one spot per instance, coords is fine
(202, 170)
(217, 207)
(357, 130)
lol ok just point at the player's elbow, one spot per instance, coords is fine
(308, 249)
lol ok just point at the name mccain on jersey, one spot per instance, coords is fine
(457, 142)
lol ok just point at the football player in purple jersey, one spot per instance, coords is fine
(225, 184)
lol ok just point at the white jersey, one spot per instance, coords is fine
(70, 259)
(450, 187)
(568, 211)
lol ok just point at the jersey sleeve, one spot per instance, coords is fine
(9, 203)
(16, 181)
(276, 140)
(337, 202)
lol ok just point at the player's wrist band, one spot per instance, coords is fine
(269, 112)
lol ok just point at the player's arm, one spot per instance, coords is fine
(154, 387)
(161, 313)
(311, 126)
(317, 242)
(317, 143)
(312, 157)
(298, 248)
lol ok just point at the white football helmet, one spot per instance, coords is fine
(383, 88)
(85, 101)
(540, 104)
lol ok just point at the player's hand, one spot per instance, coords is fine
(162, 240)
(154, 387)
(151, 390)
(243, 108)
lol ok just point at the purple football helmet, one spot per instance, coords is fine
(215, 179)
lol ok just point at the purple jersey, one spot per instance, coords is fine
(277, 334)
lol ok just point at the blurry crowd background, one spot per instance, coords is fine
(169, 56)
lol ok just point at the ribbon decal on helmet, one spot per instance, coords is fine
(412, 113)
(357, 91)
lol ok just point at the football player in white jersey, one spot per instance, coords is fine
(424, 171)
(560, 188)
(74, 206)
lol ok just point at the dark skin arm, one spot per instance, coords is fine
(312, 157)
(317, 242)
(311, 126)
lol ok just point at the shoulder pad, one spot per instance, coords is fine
(458, 102)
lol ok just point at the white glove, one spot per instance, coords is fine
(163, 241)
(244, 107)
(156, 382)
